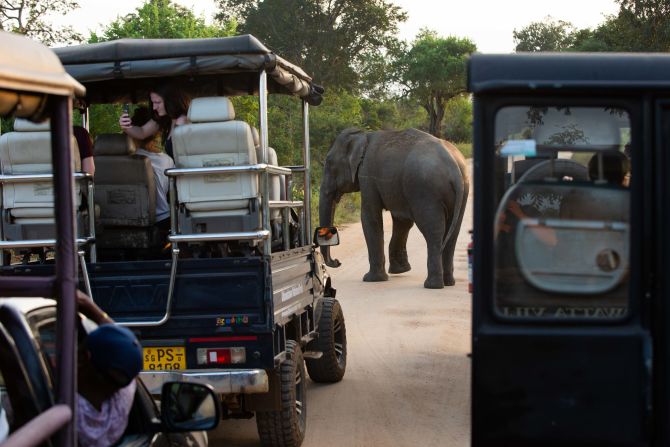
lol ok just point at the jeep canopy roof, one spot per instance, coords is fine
(556, 71)
(125, 69)
(29, 72)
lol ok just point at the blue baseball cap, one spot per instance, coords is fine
(115, 348)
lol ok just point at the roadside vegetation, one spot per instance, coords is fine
(372, 79)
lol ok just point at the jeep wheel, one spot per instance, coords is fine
(286, 427)
(332, 342)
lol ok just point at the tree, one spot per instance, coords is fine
(640, 25)
(548, 35)
(153, 20)
(332, 41)
(30, 17)
(458, 120)
(163, 19)
(643, 25)
(433, 71)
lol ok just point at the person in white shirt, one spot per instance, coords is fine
(160, 161)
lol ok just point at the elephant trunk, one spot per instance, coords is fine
(327, 203)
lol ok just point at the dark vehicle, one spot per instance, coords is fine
(236, 295)
(28, 357)
(38, 341)
(570, 303)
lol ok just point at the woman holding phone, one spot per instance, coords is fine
(170, 107)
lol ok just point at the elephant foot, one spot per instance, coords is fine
(433, 283)
(399, 266)
(375, 277)
(449, 280)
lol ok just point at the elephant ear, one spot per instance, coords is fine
(357, 145)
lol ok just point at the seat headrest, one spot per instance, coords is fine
(21, 125)
(113, 144)
(256, 136)
(211, 109)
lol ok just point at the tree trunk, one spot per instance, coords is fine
(435, 109)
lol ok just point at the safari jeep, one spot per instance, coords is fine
(570, 337)
(235, 296)
(39, 337)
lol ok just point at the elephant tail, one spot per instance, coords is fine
(461, 192)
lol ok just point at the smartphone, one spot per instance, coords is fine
(126, 108)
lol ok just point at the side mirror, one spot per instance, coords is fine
(189, 407)
(326, 236)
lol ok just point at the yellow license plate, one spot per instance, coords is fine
(164, 358)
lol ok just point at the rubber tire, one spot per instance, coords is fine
(286, 427)
(332, 342)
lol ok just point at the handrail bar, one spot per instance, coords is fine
(27, 286)
(295, 168)
(285, 204)
(260, 167)
(230, 236)
(27, 178)
(31, 243)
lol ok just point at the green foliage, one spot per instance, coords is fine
(547, 35)
(643, 25)
(457, 125)
(163, 19)
(30, 17)
(6, 125)
(154, 19)
(640, 25)
(337, 42)
(433, 71)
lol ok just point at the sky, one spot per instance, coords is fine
(488, 23)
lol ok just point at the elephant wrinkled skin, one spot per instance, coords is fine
(417, 177)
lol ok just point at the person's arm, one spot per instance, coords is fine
(183, 119)
(88, 165)
(91, 310)
(137, 132)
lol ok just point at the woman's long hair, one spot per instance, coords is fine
(176, 102)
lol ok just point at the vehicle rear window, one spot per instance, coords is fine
(562, 228)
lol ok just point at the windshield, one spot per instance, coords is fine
(562, 218)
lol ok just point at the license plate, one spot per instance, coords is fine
(164, 358)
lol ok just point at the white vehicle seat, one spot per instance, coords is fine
(28, 208)
(125, 192)
(215, 202)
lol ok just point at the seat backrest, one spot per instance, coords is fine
(27, 150)
(124, 183)
(276, 181)
(214, 138)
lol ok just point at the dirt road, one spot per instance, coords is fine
(408, 374)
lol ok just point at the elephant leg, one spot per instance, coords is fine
(432, 227)
(448, 261)
(398, 261)
(373, 230)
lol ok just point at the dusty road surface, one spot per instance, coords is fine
(408, 374)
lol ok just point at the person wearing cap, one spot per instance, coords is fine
(110, 357)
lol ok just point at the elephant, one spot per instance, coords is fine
(417, 177)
